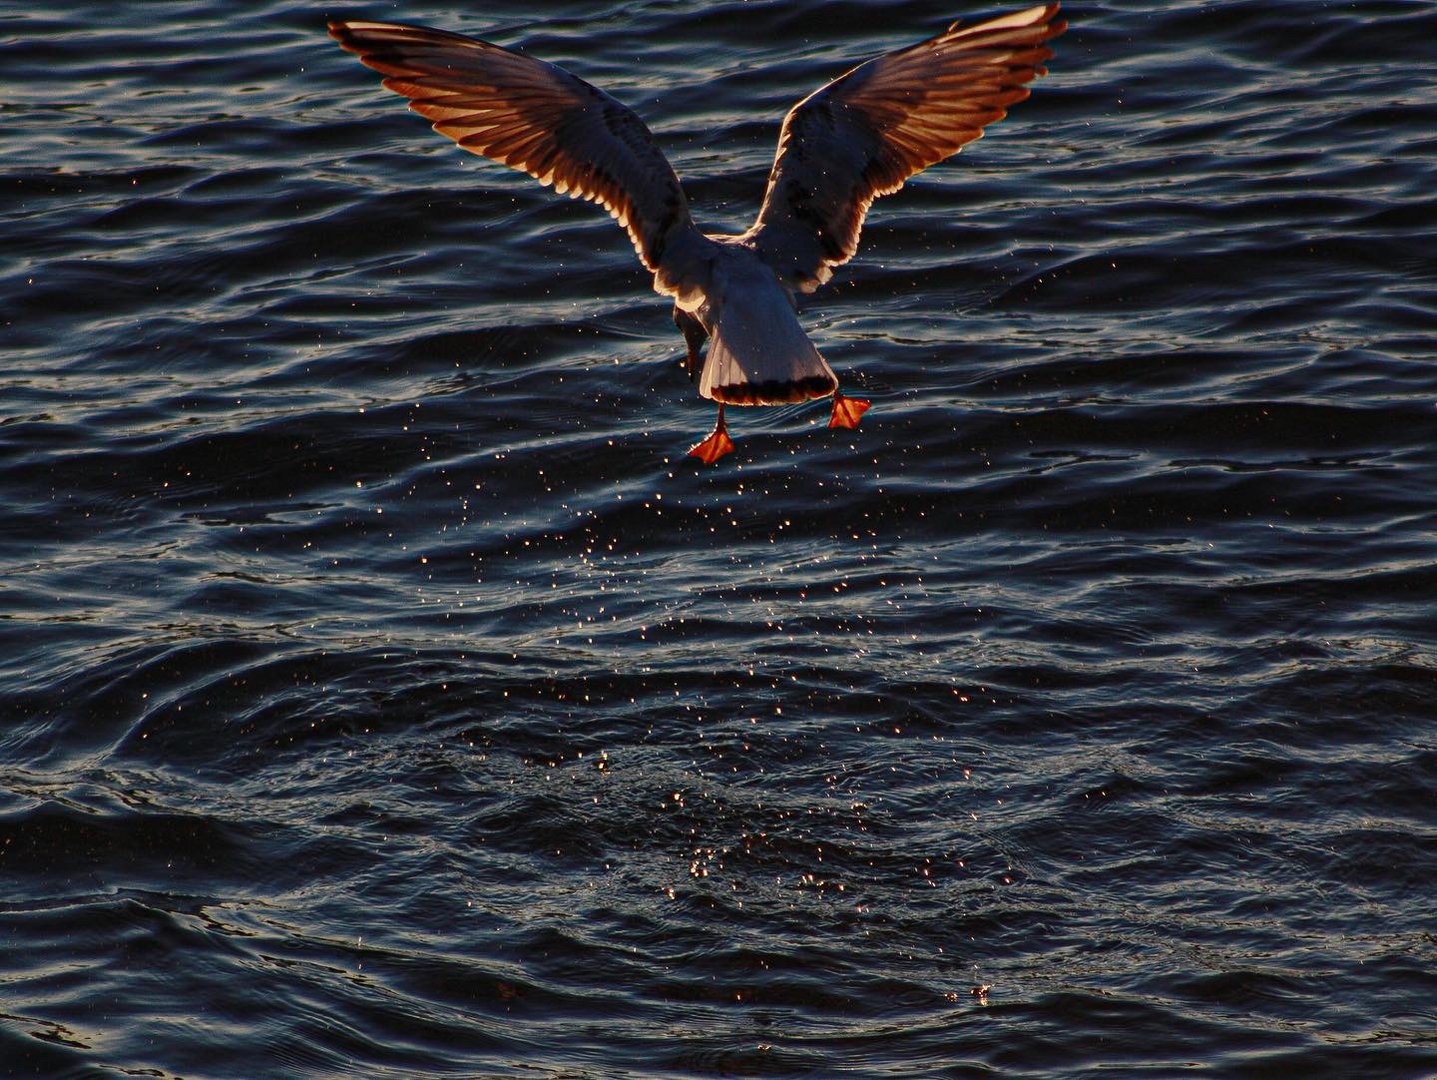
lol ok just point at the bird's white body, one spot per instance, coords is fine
(758, 353)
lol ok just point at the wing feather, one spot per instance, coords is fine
(534, 117)
(864, 134)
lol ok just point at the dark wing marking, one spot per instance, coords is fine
(533, 117)
(868, 131)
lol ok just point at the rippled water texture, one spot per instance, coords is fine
(385, 694)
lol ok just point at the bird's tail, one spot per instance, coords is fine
(759, 354)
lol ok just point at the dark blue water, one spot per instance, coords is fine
(383, 692)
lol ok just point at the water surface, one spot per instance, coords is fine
(385, 694)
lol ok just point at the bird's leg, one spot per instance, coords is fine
(846, 411)
(716, 445)
(694, 337)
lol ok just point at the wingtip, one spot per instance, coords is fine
(1026, 18)
(342, 30)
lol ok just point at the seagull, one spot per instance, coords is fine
(861, 136)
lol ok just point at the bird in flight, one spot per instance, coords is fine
(843, 146)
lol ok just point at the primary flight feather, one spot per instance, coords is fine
(843, 146)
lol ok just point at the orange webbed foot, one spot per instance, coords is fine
(716, 445)
(846, 411)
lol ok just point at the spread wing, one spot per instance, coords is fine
(868, 131)
(533, 117)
